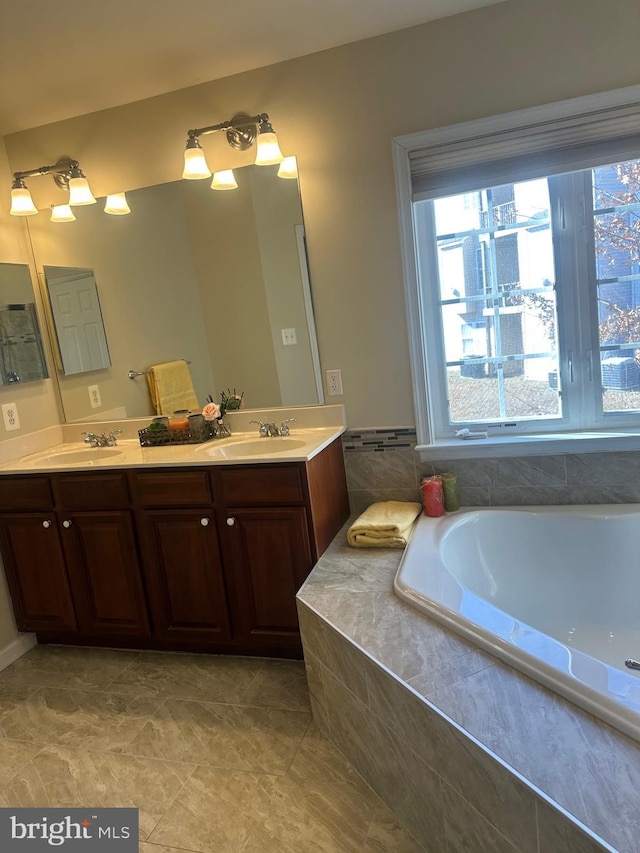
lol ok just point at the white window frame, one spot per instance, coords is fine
(597, 119)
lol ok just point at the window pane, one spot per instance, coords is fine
(616, 202)
(497, 303)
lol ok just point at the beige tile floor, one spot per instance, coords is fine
(219, 754)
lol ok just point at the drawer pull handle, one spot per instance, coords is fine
(66, 523)
(46, 523)
(204, 522)
(231, 521)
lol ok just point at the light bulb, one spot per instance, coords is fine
(79, 192)
(195, 165)
(22, 203)
(224, 180)
(268, 149)
(288, 168)
(62, 213)
(117, 204)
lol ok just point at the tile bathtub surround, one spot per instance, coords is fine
(389, 470)
(515, 765)
(181, 735)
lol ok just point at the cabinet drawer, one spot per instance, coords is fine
(25, 493)
(92, 491)
(255, 485)
(173, 488)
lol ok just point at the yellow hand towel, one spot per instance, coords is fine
(171, 387)
(384, 525)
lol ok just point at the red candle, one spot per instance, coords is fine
(432, 496)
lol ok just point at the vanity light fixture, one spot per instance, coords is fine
(66, 174)
(224, 180)
(21, 201)
(288, 168)
(242, 131)
(116, 204)
(62, 213)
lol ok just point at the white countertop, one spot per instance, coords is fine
(240, 449)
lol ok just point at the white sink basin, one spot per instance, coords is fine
(85, 455)
(258, 447)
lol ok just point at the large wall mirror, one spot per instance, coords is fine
(21, 352)
(217, 278)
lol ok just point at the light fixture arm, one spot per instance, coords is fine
(61, 172)
(241, 130)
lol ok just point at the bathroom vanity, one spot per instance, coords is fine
(179, 551)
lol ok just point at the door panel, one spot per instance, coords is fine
(103, 565)
(185, 579)
(36, 573)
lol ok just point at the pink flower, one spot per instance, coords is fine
(211, 412)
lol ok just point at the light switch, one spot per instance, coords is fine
(289, 337)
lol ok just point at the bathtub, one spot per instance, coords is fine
(552, 591)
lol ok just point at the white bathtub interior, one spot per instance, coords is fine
(553, 591)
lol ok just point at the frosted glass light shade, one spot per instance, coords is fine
(117, 204)
(22, 203)
(268, 152)
(224, 180)
(62, 213)
(195, 165)
(288, 168)
(79, 192)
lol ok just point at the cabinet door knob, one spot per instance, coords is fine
(231, 521)
(46, 523)
(67, 523)
(204, 522)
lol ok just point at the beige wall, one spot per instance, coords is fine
(338, 110)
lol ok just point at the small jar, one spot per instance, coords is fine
(179, 419)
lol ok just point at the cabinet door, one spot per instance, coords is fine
(184, 575)
(102, 560)
(36, 572)
(270, 558)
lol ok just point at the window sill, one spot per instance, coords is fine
(531, 445)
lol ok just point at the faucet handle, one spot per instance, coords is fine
(110, 440)
(264, 430)
(284, 429)
(90, 437)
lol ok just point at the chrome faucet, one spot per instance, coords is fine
(262, 427)
(101, 440)
(271, 429)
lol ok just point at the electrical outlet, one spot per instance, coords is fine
(289, 337)
(334, 383)
(10, 416)
(94, 396)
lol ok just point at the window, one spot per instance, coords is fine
(526, 271)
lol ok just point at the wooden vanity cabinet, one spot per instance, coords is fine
(36, 572)
(99, 543)
(274, 522)
(181, 556)
(74, 567)
(203, 559)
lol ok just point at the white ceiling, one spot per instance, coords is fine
(64, 59)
